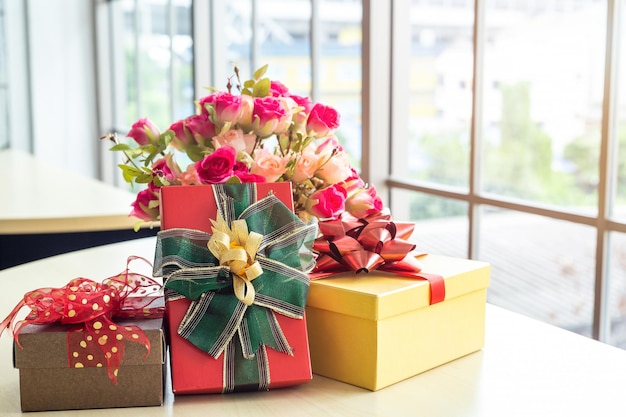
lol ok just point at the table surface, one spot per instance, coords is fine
(527, 368)
(50, 199)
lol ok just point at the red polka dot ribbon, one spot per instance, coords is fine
(96, 340)
(371, 243)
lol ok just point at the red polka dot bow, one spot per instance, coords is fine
(96, 339)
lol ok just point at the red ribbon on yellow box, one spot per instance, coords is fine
(92, 306)
(371, 243)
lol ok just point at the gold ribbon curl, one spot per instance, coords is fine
(236, 248)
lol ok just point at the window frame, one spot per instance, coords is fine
(476, 199)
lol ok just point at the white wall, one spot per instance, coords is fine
(19, 133)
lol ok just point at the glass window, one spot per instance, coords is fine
(617, 290)
(158, 75)
(540, 267)
(340, 69)
(285, 42)
(440, 94)
(619, 209)
(543, 92)
(441, 224)
(278, 33)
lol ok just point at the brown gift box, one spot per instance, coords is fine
(47, 383)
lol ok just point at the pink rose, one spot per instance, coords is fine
(201, 128)
(364, 203)
(166, 168)
(268, 165)
(245, 177)
(269, 115)
(301, 113)
(306, 165)
(328, 203)
(182, 136)
(216, 167)
(237, 139)
(329, 145)
(278, 89)
(144, 132)
(227, 107)
(353, 183)
(141, 206)
(241, 171)
(322, 121)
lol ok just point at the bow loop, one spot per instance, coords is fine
(236, 249)
(370, 243)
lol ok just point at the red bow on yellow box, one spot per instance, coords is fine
(92, 306)
(371, 243)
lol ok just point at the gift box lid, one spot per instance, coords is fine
(378, 295)
(45, 346)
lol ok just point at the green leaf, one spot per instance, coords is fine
(134, 153)
(307, 141)
(194, 153)
(121, 147)
(233, 180)
(138, 225)
(157, 181)
(167, 137)
(153, 204)
(143, 178)
(150, 158)
(211, 110)
(260, 72)
(261, 88)
(248, 84)
(129, 172)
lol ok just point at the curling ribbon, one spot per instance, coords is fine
(371, 243)
(270, 252)
(92, 306)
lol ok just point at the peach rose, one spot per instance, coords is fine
(268, 165)
(242, 142)
(306, 165)
(335, 168)
(189, 177)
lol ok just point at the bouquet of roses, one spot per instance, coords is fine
(262, 134)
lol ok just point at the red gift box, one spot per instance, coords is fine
(194, 371)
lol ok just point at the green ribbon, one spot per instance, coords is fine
(217, 321)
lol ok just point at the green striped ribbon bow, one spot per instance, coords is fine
(217, 321)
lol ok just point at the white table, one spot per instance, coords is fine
(39, 197)
(527, 368)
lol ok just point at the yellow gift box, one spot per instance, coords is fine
(373, 330)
